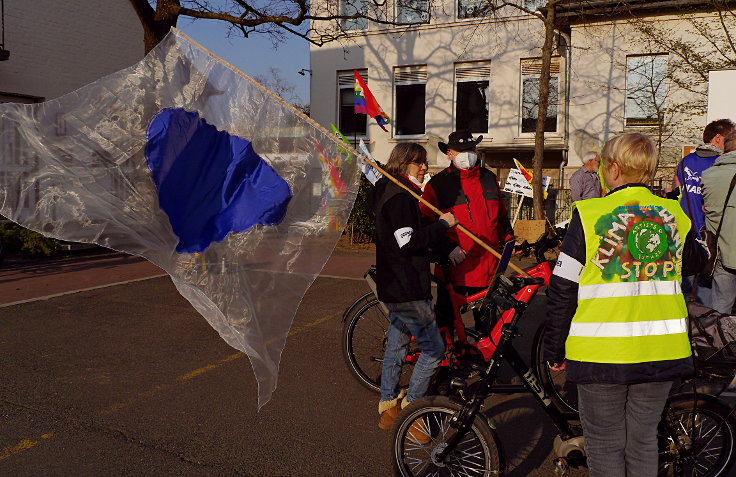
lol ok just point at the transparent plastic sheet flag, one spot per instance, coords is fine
(83, 168)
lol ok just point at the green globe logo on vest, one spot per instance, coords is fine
(647, 241)
(637, 242)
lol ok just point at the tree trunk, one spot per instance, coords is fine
(156, 24)
(544, 79)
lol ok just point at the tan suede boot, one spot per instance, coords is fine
(388, 411)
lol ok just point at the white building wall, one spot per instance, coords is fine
(56, 47)
(597, 79)
(598, 86)
(439, 46)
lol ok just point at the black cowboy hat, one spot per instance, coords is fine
(460, 140)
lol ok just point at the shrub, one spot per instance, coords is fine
(360, 225)
(32, 244)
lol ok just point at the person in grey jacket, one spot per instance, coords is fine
(584, 183)
(715, 182)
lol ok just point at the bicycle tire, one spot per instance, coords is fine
(349, 311)
(364, 343)
(562, 393)
(708, 428)
(479, 453)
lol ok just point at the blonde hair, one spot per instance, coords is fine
(635, 155)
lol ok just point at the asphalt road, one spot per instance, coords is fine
(130, 380)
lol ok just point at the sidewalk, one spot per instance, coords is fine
(22, 280)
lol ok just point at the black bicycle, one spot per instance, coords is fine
(450, 435)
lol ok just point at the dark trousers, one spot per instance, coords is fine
(620, 427)
(445, 315)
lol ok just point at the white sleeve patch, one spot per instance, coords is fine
(568, 268)
(403, 235)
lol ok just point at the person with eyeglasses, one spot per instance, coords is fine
(403, 283)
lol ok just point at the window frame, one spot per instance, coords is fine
(397, 11)
(537, 3)
(405, 73)
(480, 66)
(341, 10)
(644, 122)
(342, 85)
(556, 71)
(469, 17)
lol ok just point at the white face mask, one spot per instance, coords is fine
(466, 160)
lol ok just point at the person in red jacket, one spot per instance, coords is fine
(472, 194)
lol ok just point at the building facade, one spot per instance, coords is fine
(56, 48)
(466, 68)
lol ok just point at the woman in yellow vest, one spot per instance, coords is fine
(616, 317)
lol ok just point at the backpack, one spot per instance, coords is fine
(712, 334)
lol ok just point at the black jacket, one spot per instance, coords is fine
(563, 296)
(402, 273)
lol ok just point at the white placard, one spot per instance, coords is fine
(516, 184)
(721, 100)
(369, 171)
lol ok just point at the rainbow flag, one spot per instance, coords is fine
(365, 103)
(336, 187)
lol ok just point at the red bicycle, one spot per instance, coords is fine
(365, 327)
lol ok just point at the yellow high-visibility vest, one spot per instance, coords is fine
(630, 303)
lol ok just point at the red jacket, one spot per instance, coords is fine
(474, 198)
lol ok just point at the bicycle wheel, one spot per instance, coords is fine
(696, 438)
(364, 343)
(562, 393)
(349, 311)
(477, 455)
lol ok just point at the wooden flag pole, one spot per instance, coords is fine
(352, 149)
(437, 211)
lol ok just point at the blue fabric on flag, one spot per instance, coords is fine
(209, 182)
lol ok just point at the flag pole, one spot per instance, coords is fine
(518, 209)
(352, 149)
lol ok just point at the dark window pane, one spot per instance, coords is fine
(471, 110)
(410, 109)
(351, 124)
(530, 105)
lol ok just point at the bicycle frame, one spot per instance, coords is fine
(504, 331)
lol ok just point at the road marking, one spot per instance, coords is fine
(47, 297)
(341, 278)
(204, 369)
(21, 446)
(125, 282)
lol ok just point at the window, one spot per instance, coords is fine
(533, 5)
(472, 8)
(410, 99)
(351, 124)
(412, 11)
(352, 7)
(472, 82)
(530, 71)
(645, 89)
